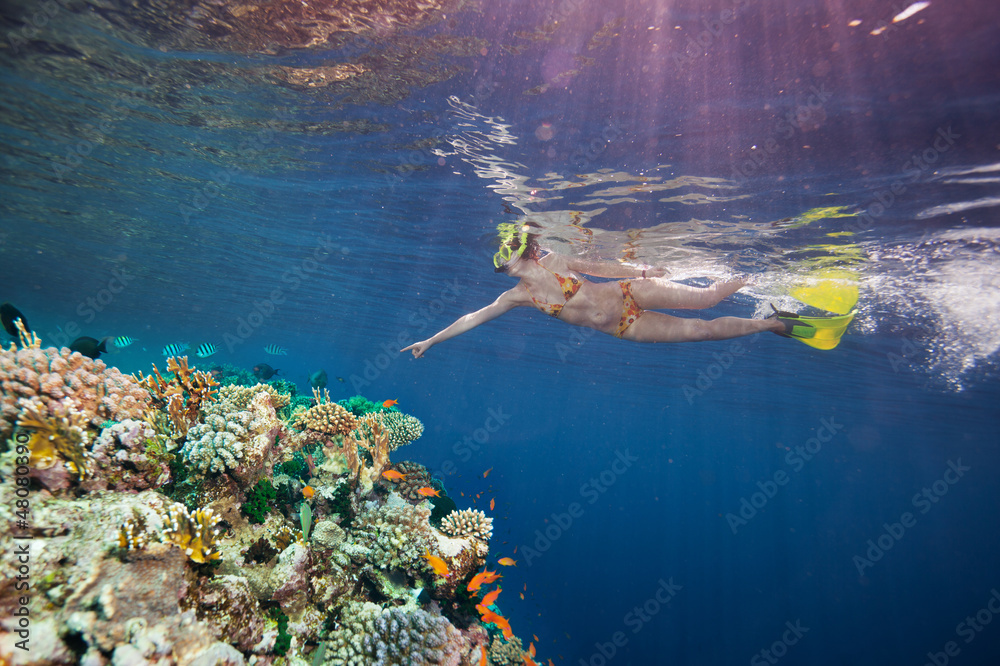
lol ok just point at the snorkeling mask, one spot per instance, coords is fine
(507, 252)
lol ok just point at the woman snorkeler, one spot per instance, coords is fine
(555, 285)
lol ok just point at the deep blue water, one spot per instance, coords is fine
(163, 180)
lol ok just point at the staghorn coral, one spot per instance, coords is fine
(233, 441)
(369, 634)
(468, 523)
(184, 395)
(62, 380)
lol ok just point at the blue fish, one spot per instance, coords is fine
(275, 350)
(176, 348)
(206, 350)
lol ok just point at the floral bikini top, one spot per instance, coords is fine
(569, 285)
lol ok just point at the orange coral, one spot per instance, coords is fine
(183, 395)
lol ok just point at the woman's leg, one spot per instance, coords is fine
(661, 294)
(659, 327)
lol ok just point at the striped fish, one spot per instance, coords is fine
(206, 350)
(275, 350)
(176, 348)
(123, 341)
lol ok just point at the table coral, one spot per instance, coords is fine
(61, 380)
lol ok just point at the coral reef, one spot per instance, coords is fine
(60, 381)
(468, 523)
(122, 573)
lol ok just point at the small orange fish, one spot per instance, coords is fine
(531, 649)
(490, 597)
(476, 582)
(507, 562)
(491, 576)
(535, 636)
(308, 492)
(393, 475)
(487, 472)
(389, 403)
(427, 491)
(493, 504)
(522, 596)
(439, 566)
(482, 655)
(528, 661)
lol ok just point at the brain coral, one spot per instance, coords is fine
(60, 380)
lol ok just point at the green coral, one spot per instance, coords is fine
(259, 501)
(284, 639)
(360, 405)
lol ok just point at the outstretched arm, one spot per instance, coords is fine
(507, 301)
(612, 269)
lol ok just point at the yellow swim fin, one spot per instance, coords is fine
(832, 295)
(817, 332)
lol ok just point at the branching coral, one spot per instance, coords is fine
(468, 523)
(184, 395)
(396, 533)
(62, 380)
(326, 417)
(234, 441)
(240, 396)
(369, 634)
